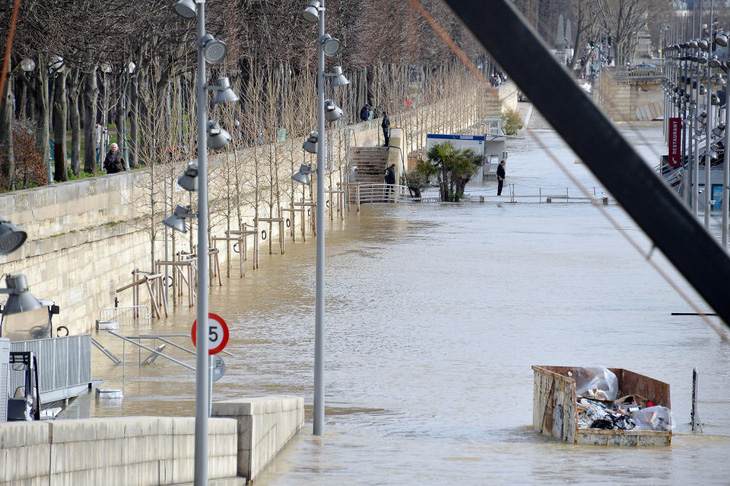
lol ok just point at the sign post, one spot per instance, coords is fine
(217, 339)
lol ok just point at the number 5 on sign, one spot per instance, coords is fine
(217, 333)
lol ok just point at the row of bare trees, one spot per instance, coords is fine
(123, 65)
(623, 20)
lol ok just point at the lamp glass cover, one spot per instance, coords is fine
(185, 9)
(11, 237)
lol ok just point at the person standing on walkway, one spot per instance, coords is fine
(390, 179)
(386, 128)
(113, 162)
(500, 176)
(365, 113)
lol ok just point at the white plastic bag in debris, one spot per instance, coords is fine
(654, 418)
(597, 382)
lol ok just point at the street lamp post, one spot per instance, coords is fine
(213, 51)
(318, 420)
(326, 111)
(201, 357)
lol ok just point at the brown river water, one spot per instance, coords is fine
(434, 315)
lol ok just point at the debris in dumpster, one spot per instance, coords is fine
(625, 413)
(597, 415)
(654, 418)
(595, 382)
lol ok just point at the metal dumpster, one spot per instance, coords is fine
(555, 408)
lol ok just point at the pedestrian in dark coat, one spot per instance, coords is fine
(365, 113)
(386, 128)
(114, 162)
(500, 176)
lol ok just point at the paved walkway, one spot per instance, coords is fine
(531, 118)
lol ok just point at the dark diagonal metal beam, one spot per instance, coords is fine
(648, 200)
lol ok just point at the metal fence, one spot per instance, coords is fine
(64, 366)
(136, 316)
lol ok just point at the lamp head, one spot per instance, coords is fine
(11, 237)
(218, 138)
(339, 78)
(330, 45)
(303, 174)
(311, 13)
(189, 179)
(185, 9)
(332, 112)
(214, 50)
(20, 299)
(721, 39)
(176, 221)
(27, 65)
(224, 92)
(310, 145)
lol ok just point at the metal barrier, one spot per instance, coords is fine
(136, 316)
(368, 193)
(64, 366)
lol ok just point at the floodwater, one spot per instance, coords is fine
(434, 315)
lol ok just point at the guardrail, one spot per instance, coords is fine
(370, 193)
(136, 316)
(64, 366)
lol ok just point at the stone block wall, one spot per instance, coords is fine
(112, 451)
(265, 425)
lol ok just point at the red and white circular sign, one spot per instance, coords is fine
(217, 333)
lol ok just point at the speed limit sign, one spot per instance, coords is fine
(217, 333)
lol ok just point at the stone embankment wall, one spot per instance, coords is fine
(86, 237)
(148, 450)
(624, 99)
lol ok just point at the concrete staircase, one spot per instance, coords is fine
(369, 163)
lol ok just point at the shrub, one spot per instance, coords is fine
(511, 122)
(30, 171)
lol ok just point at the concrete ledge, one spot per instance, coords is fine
(264, 425)
(125, 450)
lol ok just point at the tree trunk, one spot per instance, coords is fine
(42, 136)
(6, 137)
(90, 93)
(60, 112)
(122, 120)
(75, 115)
(133, 121)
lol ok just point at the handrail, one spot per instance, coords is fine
(105, 351)
(124, 338)
(161, 338)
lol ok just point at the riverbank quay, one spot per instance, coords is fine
(435, 314)
(86, 237)
(244, 436)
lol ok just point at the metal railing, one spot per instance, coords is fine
(368, 193)
(155, 350)
(136, 316)
(64, 366)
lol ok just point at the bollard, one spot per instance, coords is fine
(695, 416)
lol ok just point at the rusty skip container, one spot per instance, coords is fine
(555, 410)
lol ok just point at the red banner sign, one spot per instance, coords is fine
(675, 142)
